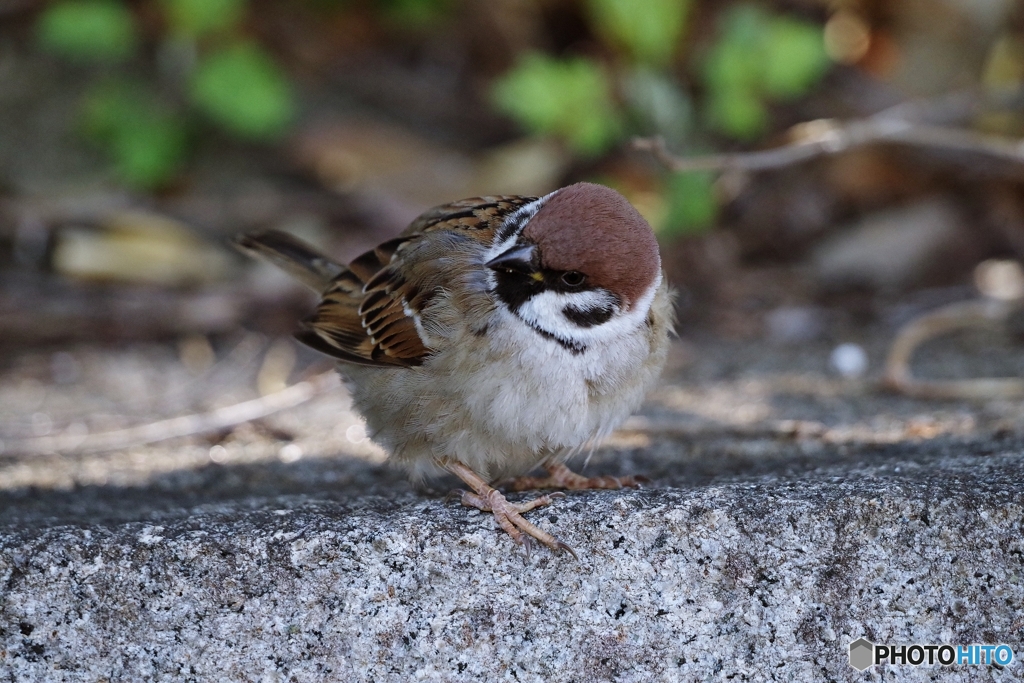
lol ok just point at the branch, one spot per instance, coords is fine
(187, 425)
(904, 124)
(963, 315)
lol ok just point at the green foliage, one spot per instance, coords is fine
(795, 57)
(737, 112)
(692, 207)
(145, 140)
(239, 87)
(759, 57)
(735, 61)
(570, 99)
(244, 90)
(88, 30)
(199, 17)
(649, 30)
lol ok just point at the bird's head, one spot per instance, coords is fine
(580, 264)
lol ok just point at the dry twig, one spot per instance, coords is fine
(907, 124)
(187, 425)
(958, 316)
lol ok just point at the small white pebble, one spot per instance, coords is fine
(218, 454)
(849, 360)
(290, 453)
(1000, 279)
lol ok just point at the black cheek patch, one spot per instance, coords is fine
(588, 317)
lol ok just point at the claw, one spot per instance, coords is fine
(454, 493)
(568, 548)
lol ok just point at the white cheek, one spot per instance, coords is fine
(546, 311)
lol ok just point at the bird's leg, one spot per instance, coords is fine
(508, 515)
(561, 477)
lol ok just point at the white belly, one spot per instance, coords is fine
(504, 402)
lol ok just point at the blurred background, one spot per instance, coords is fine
(137, 136)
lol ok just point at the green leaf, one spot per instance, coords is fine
(88, 30)
(649, 30)
(737, 112)
(146, 141)
(150, 151)
(732, 64)
(199, 17)
(736, 59)
(570, 99)
(692, 206)
(795, 57)
(243, 89)
(758, 58)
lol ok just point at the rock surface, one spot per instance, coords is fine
(764, 547)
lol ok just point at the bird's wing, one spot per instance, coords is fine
(372, 312)
(364, 316)
(476, 213)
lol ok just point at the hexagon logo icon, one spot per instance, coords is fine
(862, 654)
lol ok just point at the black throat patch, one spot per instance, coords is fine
(573, 347)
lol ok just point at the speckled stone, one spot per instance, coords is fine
(763, 578)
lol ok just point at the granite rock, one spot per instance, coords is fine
(763, 577)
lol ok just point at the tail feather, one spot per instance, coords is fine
(298, 259)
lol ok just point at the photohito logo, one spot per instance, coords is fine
(864, 653)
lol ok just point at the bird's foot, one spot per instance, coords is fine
(561, 477)
(510, 518)
(508, 515)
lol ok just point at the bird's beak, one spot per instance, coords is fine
(519, 258)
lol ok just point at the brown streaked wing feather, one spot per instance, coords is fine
(364, 317)
(372, 262)
(386, 320)
(471, 214)
(314, 340)
(365, 324)
(337, 328)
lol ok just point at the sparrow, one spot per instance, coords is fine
(494, 335)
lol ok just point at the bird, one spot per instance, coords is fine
(494, 335)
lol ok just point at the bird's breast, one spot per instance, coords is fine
(534, 391)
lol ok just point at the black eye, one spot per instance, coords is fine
(573, 278)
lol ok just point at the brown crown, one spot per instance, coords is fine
(594, 230)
